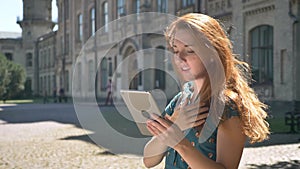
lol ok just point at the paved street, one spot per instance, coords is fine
(50, 136)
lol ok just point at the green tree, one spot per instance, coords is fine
(12, 78)
(4, 76)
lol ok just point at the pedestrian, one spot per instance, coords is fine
(193, 131)
(109, 87)
(62, 95)
(54, 94)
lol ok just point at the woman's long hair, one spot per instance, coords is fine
(237, 74)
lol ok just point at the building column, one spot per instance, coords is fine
(296, 51)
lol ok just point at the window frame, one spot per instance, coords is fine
(29, 61)
(261, 54)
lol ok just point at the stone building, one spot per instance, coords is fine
(265, 33)
(36, 22)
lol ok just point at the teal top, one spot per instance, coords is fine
(207, 148)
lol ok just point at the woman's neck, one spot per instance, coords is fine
(198, 85)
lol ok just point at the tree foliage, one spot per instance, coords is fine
(12, 78)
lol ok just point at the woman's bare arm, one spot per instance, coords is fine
(154, 152)
(230, 145)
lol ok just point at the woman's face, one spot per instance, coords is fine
(187, 62)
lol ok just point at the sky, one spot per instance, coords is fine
(11, 9)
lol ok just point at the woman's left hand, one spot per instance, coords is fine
(166, 131)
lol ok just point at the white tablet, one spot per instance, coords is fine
(140, 104)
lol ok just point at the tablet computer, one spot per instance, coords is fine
(140, 105)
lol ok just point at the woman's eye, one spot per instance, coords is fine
(175, 52)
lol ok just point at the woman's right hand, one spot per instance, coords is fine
(188, 116)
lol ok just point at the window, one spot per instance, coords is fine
(162, 6)
(186, 3)
(54, 81)
(29, 60)
(92, 22)
(137, 6)
(49, 57)
(9, 56)
(262, 54)
(105, 16)
(103, 74)
(80, 28)
(66, 8)
(41, 85)
(27, 86)
(121, 8)
(91, 76)
(67, 43)
(67, 80)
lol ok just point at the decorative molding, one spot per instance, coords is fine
(260, 10)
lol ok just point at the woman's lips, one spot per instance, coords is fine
(185, 68)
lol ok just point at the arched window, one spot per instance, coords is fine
(80, 27)
(137, 5)
(92, 22)
(105, 16)
(121, 7)
(261, 38)
(103, 74)
(162, 6)
(186, 3)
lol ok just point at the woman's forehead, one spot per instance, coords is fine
(183, 37)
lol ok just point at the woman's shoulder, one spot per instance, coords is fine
(230, 109)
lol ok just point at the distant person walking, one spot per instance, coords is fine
(109, 92)
(62, 95)
(54, 94)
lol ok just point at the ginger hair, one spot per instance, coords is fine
(237, 75)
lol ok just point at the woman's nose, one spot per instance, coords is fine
(182, 57)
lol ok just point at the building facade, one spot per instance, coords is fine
(265, 33)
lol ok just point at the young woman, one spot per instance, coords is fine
(207, 124)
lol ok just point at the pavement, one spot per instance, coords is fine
(50, 136)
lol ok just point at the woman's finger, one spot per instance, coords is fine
(198, 123)
(166, 124)
(158, 124)
(199, 116)
(151, 130)
(195, 107)
(195, 112)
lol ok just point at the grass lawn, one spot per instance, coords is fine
(277, 125)
(17, 101)
(24, 101)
